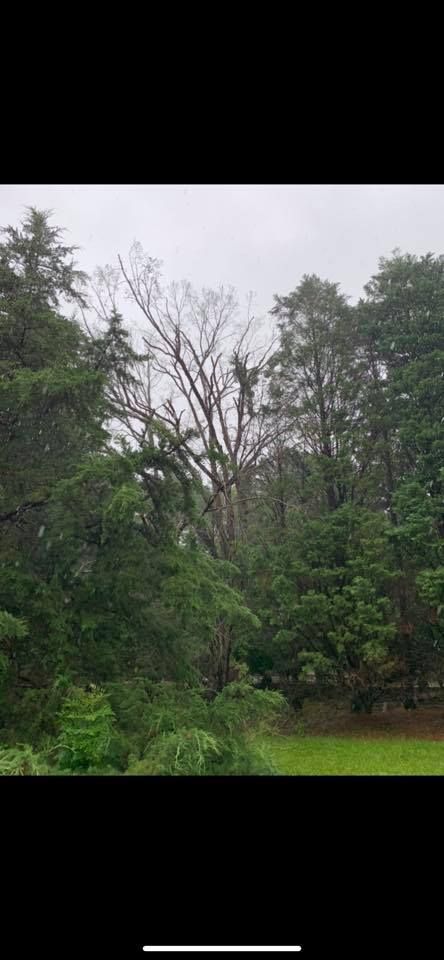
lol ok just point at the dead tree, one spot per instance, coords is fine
(212, 375)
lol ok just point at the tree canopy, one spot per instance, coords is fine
(179, 519)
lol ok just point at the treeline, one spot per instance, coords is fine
(215, 501)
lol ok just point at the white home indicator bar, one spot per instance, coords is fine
(222, 949)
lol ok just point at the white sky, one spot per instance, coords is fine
(256, 238)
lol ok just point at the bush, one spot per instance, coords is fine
(173, 708)
(30, 714)
(86, 729)
(21, 761)
(242, 758)
(182, 753)
(188, 737)
(199, 753)
(239, 707)
(144, 710)
(162, 729)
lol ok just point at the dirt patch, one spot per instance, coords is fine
(424, 723)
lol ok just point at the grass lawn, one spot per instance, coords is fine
(346, 756)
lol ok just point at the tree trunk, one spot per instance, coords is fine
(220, 653)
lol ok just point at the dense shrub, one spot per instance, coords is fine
(220, 746)
(21, 761)
(86, 728)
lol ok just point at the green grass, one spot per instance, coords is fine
(347, 756)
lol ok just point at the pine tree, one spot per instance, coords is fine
(315, 380)
(51, 413)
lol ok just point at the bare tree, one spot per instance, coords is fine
(211, 369)
(210, 388)
(132, 381)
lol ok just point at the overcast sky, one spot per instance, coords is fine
(256, 238)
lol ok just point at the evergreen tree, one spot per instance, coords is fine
(51, 415)
(316, 380)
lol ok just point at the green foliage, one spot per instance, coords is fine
(195, 752)
(21, 761)
(108, 568)
(327, 607)
(315, 380)
(86, 727)
(187, 736)
(431, 587)
(240, 708)
(186, 752)
(51, 415)
(171, 708)
(11, 627)
(28, 712)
